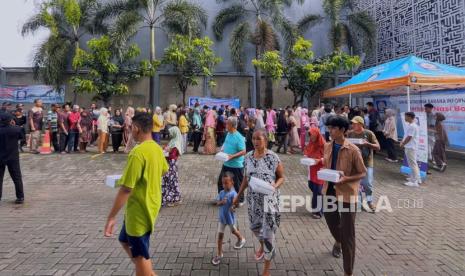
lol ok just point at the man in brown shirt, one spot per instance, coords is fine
(343, 156)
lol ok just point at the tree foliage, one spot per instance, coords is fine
(303, 72)
(348, 27)
(189, 58)
(68, 21)
(108, 72)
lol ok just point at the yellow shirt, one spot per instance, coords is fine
(157, 124)
(143, 172)
(183, 124)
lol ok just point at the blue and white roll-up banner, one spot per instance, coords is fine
(451, 103)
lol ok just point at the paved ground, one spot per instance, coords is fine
(59, 229)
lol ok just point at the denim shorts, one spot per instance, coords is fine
(139, 245)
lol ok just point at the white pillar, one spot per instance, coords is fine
(408, 98)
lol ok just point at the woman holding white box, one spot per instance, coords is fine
(314, 150)
(264, 167)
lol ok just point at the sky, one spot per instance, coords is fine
(15, 50)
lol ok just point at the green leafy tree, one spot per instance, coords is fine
(109, 69)
(189, 58)
(261, 23)
(174, 16)
(356, 30)
(68, 21)
(304, 73)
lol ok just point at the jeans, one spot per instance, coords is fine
(411, 155)
(73, 138)
(54, 138)
(63, 141)
(367, 184)
(15, 172)
(317, 207)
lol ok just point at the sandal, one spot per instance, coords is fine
(259, 255)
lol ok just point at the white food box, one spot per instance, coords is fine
(221, 156)
(260, 186)
(307, 161)
(356, 141)
(111, 180)
(329, 175)
(165, 153)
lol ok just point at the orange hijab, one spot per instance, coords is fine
(315, 149)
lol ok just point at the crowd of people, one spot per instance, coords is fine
(251, 139)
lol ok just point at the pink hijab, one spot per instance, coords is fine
(270, 119)
(304, 120)
(210, 119)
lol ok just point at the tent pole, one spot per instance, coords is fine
(350, 99)
(408, 98)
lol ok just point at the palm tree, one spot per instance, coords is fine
(175, 16)
(356, 30)
(268, 21)
(68, 21)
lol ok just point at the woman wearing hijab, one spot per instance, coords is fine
(171, 194)
(270, 126)
(209, 132)
(220, 128)
(439, 149)
(157, 124)
(86, 131)
(197, 129)
(282, 131)
(314, 119)
(304, 126)
(117, 130)
(184, 128)
(314, 150)
(390, 132)
(102, 129)
(128, 139)
(294, 141)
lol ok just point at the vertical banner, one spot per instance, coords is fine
(451, 103)
(422, 150)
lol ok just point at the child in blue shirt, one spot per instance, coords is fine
(226, 216)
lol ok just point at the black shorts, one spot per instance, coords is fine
(139, 245)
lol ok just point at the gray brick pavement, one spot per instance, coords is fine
(59, 229)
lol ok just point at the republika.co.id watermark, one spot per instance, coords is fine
(290, 203)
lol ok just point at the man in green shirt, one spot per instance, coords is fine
(140, 190)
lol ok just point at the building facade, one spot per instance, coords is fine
(430, 29)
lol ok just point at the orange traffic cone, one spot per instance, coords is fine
(45, 149)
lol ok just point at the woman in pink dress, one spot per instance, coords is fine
(304, 126)
(294, 141)
(270, 126)
(209, 132)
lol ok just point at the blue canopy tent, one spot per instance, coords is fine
(399, 77)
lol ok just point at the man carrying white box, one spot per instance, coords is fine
(368, 144)
(343, 156)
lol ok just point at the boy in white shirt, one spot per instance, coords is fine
(410, 143)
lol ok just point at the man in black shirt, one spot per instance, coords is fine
(9, 155)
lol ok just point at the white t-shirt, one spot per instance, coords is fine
(412, 130)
